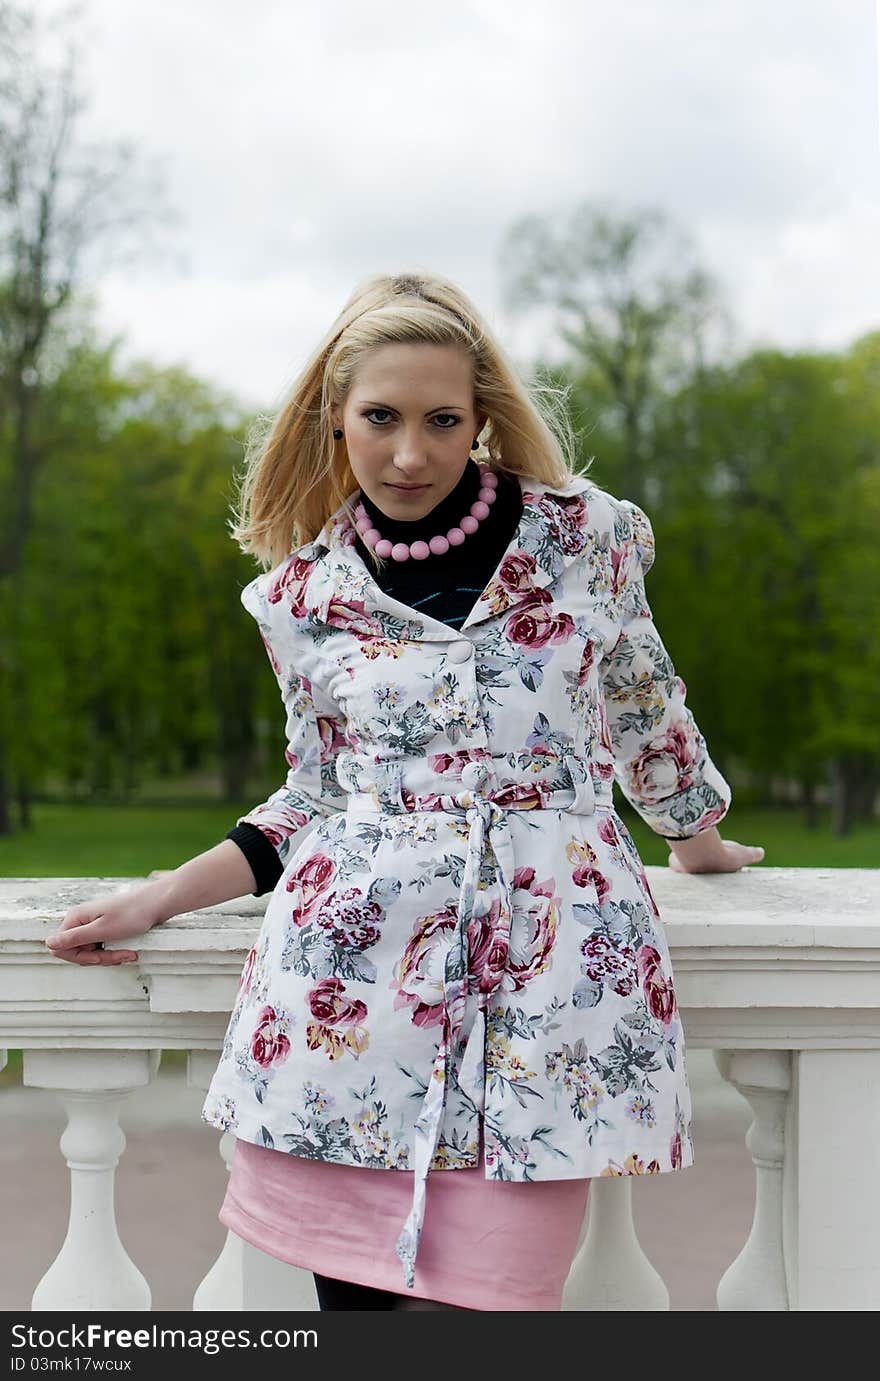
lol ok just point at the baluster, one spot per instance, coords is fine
(243, 1278)
(834, 1202)
(756, 1280)
(610, 1270)
(92, 1269)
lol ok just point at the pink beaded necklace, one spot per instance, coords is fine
(436, 546)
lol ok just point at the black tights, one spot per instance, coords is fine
(344, 1294)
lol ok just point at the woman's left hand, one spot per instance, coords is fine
(707, 852)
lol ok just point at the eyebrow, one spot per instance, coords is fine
(449, 407)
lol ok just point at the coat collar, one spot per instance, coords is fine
(327, 582)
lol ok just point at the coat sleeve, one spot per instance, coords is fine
(314, 735)
(661, 761)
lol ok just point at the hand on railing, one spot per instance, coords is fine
(116, 916)
(218, 875)
(707, 852)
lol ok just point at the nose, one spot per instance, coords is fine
(410, 461)
(410, 450)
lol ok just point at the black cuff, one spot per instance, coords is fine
(266, 866)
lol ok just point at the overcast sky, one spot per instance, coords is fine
(306, 145)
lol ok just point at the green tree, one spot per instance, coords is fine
(60, 201)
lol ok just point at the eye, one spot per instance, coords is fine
(452, 419)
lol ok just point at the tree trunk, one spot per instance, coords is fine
(23, 794)
(5, 815)
(845, 775)
(809, 802)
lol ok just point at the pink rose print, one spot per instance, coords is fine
(497, 960)
(516, 570)
(665, 765)
(533, 929)
(333, 1012)
(570, 525)
(534, 626)
(328, 1003)
(313, 878)
(351, 919)
(353, 617)
(418, 974)
(675, 1151)
(588, 661)
(608, 962)
(522, 795)
(488, 951)
(587, 876)
(269, 1046)
(330, 734)
(607, 831)
(452, 763)
(658, 990)
(292, 581)
(288, 821)
(619, 556)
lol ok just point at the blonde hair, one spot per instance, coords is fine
(297, 475)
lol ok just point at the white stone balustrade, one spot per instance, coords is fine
(777, 970)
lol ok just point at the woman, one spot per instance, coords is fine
(461, 966)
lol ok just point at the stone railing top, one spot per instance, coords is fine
(756, 907)
(767, 957)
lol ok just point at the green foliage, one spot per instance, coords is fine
(105, 841)
(780, 831)
(133, 656)
(128, 661)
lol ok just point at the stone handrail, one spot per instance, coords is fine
(776, 969)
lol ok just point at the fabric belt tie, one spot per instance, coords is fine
(488, 822)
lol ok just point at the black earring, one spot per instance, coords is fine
(475, 443)
(337, 432)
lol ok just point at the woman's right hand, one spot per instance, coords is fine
(116, 916)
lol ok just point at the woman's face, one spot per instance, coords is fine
(409, 420)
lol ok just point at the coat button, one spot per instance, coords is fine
(474, 774)
(460, 652)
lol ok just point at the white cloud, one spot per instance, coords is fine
(306, 146)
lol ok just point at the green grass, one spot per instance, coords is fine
(130, 841)
(783, 835)
(113, 841)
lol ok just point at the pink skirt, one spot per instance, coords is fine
(486, 1244)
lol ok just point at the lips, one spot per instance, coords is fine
(408, 488)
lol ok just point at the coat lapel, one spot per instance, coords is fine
(333, 586)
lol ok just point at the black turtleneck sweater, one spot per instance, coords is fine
(445, 587)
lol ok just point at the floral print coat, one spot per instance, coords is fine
(463, 936)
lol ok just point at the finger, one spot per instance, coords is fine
(84, 933)
(81, 915)
(106, 958)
